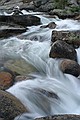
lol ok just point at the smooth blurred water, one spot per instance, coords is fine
(34, 93)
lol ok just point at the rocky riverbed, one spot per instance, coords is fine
(38, 52)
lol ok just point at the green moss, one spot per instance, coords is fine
(75, 9)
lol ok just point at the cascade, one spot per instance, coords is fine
(49, 80)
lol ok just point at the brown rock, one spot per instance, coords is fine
(10, 106)
(61, 117)
(61, 49)
(70, 67)
(6, 80)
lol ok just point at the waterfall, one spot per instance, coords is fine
(50, 91)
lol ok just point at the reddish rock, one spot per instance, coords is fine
(6, 80)
(70, 67)
(61, 49)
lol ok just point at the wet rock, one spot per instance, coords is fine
(10, 106)
(20, 66)
(70, 67)
(6, 80)
(7, 31)
(51, 25)
(47, 93)
(61, 117)
(71, 37)
(61, 49)
(23, 20)
(22, 78)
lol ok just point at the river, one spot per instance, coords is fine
(49, 80)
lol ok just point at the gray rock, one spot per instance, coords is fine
(61, 49)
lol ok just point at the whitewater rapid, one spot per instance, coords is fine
(34, 93)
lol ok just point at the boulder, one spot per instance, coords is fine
(51, 25)
(71, 37)
(23, 20)
(61, 49)
(61, 117)
(70, 67)
(19, 66)
(7, 31)
(10, 106)
(6, 80)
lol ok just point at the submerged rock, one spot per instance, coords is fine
(70, 67)
(61, 49)
(20, 66)
(61, 117)
(10, 106)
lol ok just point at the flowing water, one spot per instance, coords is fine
(49, 91)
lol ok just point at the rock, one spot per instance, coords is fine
(6, 80)
(10, 106)
(20, 66)
(21, 78)
(38, 3)
(77, 17)
(7, 31)
(64, 13)
(51, 25)
(61, 117)
(70, 67)
(23, 20)
(61, 49)
(10, 4)
(71, 37)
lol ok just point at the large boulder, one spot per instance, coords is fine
(61, 49)
(20, 66)
(24, 20)
(71, 37)
(70, 67)
(61, 117)
(10, 106)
